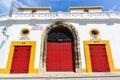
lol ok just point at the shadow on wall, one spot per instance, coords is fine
(2, 43)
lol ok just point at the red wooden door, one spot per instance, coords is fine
(66, 56)
(53, 56)
(21, 57)
(59, 56)
(99, 59)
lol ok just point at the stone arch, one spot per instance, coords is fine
(76, 42)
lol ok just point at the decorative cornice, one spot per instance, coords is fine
(34, 9)
(84, 7)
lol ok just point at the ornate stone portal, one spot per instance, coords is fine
(77, 55)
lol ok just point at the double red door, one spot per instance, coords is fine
(21, 57)
(99, 59)
(59, 56)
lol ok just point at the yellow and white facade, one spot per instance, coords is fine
(32, 27)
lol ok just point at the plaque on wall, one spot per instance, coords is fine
(24, 38)
(37, 27)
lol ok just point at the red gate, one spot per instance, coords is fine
(21, 57)
(99, 59)
(60, 56)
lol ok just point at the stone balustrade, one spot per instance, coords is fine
(61, 15)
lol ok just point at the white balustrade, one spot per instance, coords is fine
(62, 15)
(4, 17)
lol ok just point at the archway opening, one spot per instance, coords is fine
(60, 50)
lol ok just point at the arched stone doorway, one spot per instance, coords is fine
(60, 50)
(75, 40)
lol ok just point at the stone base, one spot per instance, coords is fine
(62, 76)
(77, 70)
(42, 70)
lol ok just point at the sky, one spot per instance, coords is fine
(61, 5)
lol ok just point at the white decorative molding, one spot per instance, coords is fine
(61, 15)
(4, 17)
